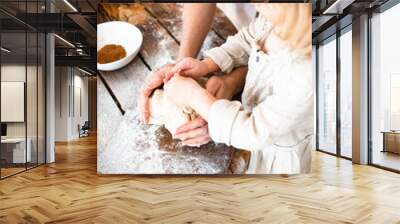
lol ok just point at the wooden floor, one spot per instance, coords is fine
(70, 191)
(11, 170)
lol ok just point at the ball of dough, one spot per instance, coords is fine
(165, 112)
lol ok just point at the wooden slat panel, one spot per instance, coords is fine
(170, 16)
(106, 12)
(222, 26)
(127, 82)
(108, 115)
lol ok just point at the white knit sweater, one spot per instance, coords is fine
(275, 118)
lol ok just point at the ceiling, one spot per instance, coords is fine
(332, 15)
(74, 22)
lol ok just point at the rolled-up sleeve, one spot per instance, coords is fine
(235, 51)
(222, 115)
(286, 110)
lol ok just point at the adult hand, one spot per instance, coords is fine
(154, 80)
(218, 87)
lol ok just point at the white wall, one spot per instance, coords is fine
(10, 73)
(80, 102)
(33, 127)
(62, 81)
(70, 83)
(14, 73)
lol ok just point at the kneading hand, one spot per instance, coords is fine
(154, 80)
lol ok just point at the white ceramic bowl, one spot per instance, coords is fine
(121, 33)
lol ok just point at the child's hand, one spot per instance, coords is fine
(194, 133)
(181, 89)
(189, 67)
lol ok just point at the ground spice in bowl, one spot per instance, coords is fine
(110, 53)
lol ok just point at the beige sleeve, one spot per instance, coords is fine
(235, 51)
(279, 114)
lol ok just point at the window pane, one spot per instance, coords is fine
(345, 94)
(327, 97)
(15, 150)
(31, 100)
(395, 101)
(385, 89)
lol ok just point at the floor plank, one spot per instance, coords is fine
(70, 191)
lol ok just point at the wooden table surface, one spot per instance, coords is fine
(120, 146)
